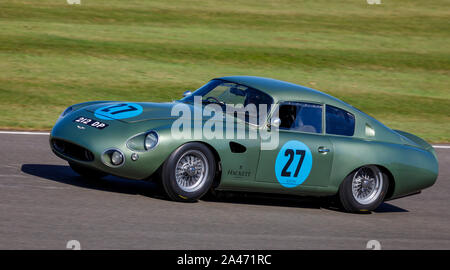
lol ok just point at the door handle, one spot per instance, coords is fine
(323, 150)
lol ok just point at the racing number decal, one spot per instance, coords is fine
(119, 111)
(290, 153)
(293, 164)
(128, 108)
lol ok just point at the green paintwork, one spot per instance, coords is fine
(409, 160)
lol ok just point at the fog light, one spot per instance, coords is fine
(116, 158)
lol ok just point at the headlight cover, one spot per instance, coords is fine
(151, 140)
(143, 142)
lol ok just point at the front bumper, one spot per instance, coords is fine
(87, 145)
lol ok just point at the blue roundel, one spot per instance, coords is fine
(293, 164)
(119, 111)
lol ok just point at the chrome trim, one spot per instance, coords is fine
(187, 93)
(191, 171)
(367, 184)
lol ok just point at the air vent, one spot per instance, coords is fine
(237, 148)
(72, 150)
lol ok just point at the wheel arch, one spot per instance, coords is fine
(217, 160)
(351, 204)
(391, 180)
(386, 171)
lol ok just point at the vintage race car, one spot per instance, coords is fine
(319, 145)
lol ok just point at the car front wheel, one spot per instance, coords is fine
(189, 172)
(364, 189)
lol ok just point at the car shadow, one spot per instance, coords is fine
(389, 208)
(292, 201)
(264, 199)
(64, 174)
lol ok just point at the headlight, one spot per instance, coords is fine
(151, 140)
(143, 141)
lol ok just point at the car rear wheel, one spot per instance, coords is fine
(189, 172)
(364, 189)
(86, 172)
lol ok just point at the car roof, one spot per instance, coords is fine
(286, 91)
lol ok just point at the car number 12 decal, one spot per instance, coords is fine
(293, 164)
(119, 111)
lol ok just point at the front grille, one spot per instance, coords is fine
(72, 150)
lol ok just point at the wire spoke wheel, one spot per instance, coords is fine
(367, 184)
(191, 170)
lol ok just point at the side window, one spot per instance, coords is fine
(339, 122)
(299, 116)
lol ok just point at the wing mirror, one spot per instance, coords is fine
(187, 93)
(275, 122)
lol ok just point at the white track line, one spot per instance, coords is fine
(442, 146)
(24, 133)
(48, 133)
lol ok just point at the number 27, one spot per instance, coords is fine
(291, 154)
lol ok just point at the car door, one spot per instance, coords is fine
(304, 155)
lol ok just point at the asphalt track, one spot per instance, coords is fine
(43, 205)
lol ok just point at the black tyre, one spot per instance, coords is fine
(189, 172)
(86, 172)
(364, 189)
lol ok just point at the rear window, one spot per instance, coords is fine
(339, 122)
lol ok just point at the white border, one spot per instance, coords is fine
(24, 133)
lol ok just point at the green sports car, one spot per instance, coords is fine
(249, 134)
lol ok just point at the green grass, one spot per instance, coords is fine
(390, 60)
